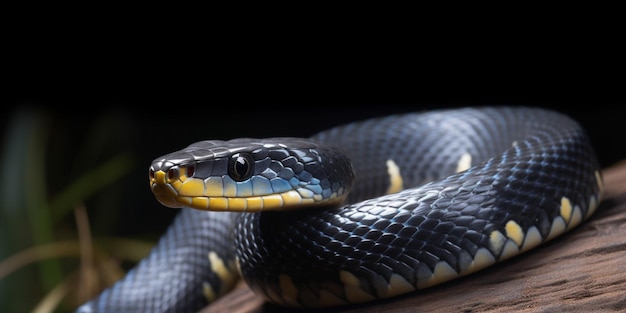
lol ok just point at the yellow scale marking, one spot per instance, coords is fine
(514, 232)
(255, 203)
(176, 184)
(220, 268)
(464, 163)
(496, 242)
(159, 177)
(225, 273)
(272, 201)
(571, 214)
(289, 289)
(219, 202)
(290, 199)
(200, 202)
(396, 183)
(566, 209)
(237, 204)
(192, 187)
(516, 235)
(208, 292)
(507, 246)
(577, 217)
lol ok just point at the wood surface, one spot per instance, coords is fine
(581, 271)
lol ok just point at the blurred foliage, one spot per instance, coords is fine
(62, 180)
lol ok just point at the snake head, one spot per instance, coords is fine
(252, 175)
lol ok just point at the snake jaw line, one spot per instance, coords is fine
(291, 200)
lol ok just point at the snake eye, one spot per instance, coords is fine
(240, 166)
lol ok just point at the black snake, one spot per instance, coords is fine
(436, 195)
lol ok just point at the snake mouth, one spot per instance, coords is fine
(290, 200)
(166, 195)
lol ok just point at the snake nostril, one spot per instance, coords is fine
(172, 173)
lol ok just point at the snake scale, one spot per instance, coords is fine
(421, 199)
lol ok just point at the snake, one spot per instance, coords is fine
(364, 211)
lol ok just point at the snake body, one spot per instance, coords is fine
(436, 195)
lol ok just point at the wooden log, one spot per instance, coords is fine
(581, 271)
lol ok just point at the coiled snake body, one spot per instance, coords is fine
(436, 195)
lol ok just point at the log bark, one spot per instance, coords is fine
(581, 271)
